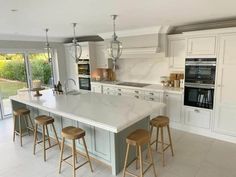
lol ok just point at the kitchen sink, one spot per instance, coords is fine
(133, 84)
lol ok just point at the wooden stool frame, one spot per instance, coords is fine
(45, 129)
(74, 156)
(21, 117)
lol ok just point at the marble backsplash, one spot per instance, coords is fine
(142, 70)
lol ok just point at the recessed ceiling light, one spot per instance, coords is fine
(14, 10)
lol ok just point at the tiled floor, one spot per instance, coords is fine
(195, 156)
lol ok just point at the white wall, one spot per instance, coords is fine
(29, 46)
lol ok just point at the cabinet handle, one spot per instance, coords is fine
(151, 93)
(151, 99)
(119, 94)
(167, 95)
(196, 110)
(119, 89)
(136, 96)
(136, 91)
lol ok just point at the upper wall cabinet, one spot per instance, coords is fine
(201, 46)
(176, 51)
(102, 59)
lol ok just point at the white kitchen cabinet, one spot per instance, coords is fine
(173, 106)
(109, 90)
(97, 88)
(176, 51)
(197, 117)
(102, 59)
(201, 46)
(154, 96)
(225, 104)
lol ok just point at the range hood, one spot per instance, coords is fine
(142, 43)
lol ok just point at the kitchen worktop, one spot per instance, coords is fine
(108, 112)
(151, 87)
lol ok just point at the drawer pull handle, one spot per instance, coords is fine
(196, 110)
(136, 96)
(119, 93)
(151, 93)
(136, 91)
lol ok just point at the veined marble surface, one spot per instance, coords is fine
(108, 112)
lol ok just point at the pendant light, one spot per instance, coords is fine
(115, 49)
(76, 48)
(49, 55)
(48, 48)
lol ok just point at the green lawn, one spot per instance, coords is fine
(8, 87)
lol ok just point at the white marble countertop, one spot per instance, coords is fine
(151, 87)
(108, 112)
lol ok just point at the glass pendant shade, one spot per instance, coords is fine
(115, 49)
(76, 49)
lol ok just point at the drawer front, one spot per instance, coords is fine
(130, 91)
(198, 117)
(152, 98)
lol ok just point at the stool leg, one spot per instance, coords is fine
(171, 147)
(14, 128)
(56, 136)
(35, 137)
(32, 125)
(141, 161)
(49, 142)
(73, 157)
(20, 130)
(87, 155)
(162, 146)
(26, 124)
(157, 137)
(126, 159)
(137, 157)
(151, 158)
(44, 146)
(61, 156)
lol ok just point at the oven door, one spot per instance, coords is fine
(84, 83)
(202, 74)
(199, 97)
(83, 69)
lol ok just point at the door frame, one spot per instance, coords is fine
(25, 53)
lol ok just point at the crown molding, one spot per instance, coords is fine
(137, 32)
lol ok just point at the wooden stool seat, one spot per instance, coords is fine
(22, 114)
(160, 121)
(21, 111)
(138, 137)
(43, 120)
(72, 132)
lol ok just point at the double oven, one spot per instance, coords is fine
(199, 82)
(84, 74)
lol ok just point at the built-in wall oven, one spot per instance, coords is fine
(199, 82)
(84, 67)
(84, 83)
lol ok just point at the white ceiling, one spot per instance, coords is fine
(93, 16)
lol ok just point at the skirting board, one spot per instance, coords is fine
(203, 132)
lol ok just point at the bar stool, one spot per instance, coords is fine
(44, 121)
(21, 114)
(160, 122)
(138, 138)
(73, 133)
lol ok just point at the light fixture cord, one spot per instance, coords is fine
(114, 27)
(75, 41)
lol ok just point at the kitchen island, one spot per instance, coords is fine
(106, 119)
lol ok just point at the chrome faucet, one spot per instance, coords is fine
(66, 84)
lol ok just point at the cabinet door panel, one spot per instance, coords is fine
(202, 45)
(177, 51)
(197, 117)
(225, 104)
(88, 136)
(101, 143)
(173, 106)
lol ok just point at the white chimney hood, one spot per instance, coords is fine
(156, 49)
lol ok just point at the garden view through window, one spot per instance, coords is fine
(18, 70)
